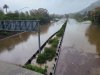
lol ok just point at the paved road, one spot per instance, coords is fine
(73, 61)
(10, 69)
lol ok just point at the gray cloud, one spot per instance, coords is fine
(53, 6)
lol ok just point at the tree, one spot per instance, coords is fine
(95, 16)
(1, 14)
(5, 7)
(40, 14)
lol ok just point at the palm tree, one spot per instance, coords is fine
(5, 7)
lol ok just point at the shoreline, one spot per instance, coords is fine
(14, 34)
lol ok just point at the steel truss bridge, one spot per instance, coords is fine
(19, 25)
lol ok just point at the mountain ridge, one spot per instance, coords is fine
(91, 7)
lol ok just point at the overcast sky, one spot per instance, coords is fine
(53, 6)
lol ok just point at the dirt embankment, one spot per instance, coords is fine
(4, 34)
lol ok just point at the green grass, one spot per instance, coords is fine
(61, 31)
(54, 42)
(41, 59)
(49, 53)
(35, 68)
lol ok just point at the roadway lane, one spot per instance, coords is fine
(74, 60)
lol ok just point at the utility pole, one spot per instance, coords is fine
(39, 42)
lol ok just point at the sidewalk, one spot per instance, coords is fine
(10, 69)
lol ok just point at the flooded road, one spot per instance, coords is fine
(80, 50)
(18, 49)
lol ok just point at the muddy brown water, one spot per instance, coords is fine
(80, 51)
(18, 49)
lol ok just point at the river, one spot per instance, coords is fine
(19, 48)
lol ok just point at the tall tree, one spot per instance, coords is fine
(1, 14)
(5, 7)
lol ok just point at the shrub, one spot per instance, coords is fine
(35, 68)
(41, 59)
(54, 42)
(49, 53)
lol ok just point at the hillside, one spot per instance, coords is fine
(91, 7)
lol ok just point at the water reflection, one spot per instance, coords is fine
(18, 49)
(93, 34)
(10, 43)
(76, 36)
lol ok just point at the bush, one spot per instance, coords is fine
(41, 59)
(54, 42)
(35, 68)
(49, 53)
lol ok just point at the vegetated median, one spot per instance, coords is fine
(48, 55)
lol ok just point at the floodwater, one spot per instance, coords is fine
(80, 50)
(18, 49)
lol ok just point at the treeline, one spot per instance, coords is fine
(94, 16)
(79, 17)
(39, 14)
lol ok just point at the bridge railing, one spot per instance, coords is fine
(19, 25)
